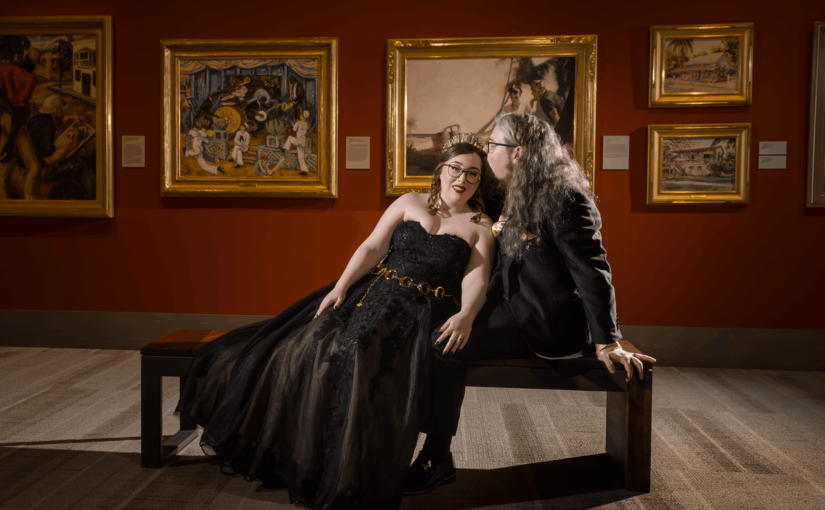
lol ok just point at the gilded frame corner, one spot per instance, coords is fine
(103, 204)
(325, 49)
(399, 51)
(815, 192)
(657, 133)
(743, 93)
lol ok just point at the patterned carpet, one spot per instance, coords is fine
(722, 439)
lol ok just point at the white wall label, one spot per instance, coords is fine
(358, 152)
(133, 152)
(616, 153)
(773, 148)
(772, 155)
(772, 162)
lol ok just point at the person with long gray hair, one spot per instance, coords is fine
(550, 294)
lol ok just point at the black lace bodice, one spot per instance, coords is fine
(438, 259)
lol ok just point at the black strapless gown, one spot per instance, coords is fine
(328, 407)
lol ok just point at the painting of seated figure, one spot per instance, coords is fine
(439, 88)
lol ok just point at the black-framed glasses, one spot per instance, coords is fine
(490, 146)
(472, 174)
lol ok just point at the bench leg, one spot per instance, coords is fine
(186, 423)
(151, 430)
(154, 452)
(628, 431)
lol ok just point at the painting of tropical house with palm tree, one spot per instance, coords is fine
(701, 64)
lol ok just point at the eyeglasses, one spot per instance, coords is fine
(473, 175)
(490, 146)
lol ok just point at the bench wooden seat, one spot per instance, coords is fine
(628, 428)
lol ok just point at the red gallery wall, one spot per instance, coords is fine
(758, 265)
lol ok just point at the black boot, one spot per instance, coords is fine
(427, 473)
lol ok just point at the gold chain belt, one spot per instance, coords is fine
(404, 281)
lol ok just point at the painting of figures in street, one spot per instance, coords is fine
(701, 64)
(448, 96)
(698, 164)
(49, 97)
(247, 118)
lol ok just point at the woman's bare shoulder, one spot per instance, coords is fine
(413, 198)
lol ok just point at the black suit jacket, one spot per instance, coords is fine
(560, 292)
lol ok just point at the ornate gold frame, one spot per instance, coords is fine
(103, 205)
(400, 50)
(815, 194)
(323, 48)
(741, 97)
(655, 135)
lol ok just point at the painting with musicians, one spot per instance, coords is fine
(255, 124)
(242, 118)
(54, 127)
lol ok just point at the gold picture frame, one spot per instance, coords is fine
(698, 163)
(701, 65)
(249, 117)
(66, 169)
(815, 193)
(441, 79)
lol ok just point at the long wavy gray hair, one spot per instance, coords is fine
(543, 180)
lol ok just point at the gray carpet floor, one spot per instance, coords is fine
(722, 439)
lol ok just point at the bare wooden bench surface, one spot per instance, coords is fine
(629, 405)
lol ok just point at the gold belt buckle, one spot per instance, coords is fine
(404, 281)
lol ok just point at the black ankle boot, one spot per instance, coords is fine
(426, 473)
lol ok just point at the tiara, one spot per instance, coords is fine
(470, 138)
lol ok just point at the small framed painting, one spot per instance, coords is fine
(701, 65)
(253, 117)
(698, 164)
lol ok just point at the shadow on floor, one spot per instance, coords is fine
(45, 478)
(576, 483)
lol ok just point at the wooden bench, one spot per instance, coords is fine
(628, 429)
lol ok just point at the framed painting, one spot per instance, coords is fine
(56, 116)
(815, 193)
(250, 118)
(701, 65)
(698, 163)
(437, 87)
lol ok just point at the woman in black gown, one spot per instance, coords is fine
(323, 399)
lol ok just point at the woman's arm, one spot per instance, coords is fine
(473, 292)
(370, 253)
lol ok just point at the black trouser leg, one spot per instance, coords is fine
(495, 333)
